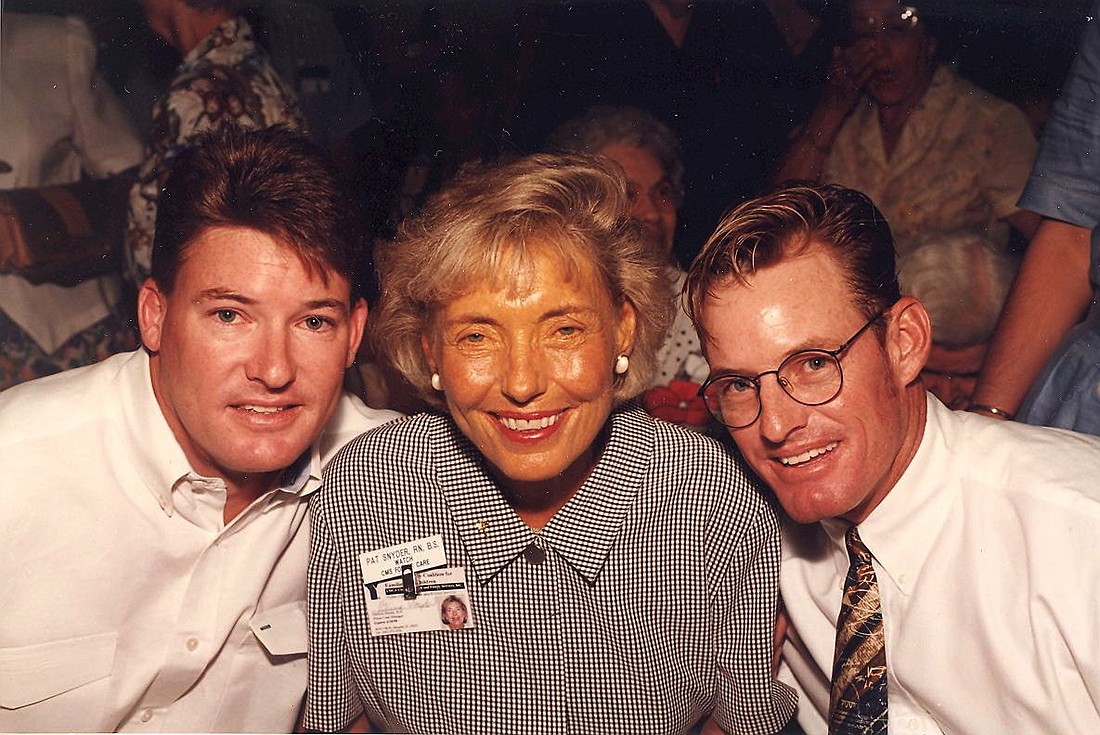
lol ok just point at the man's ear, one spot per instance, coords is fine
(908, 338)
(357, 323)
(152, 306)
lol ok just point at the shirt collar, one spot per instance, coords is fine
(901, 531)
(582, 532)
(931, 110)
(304, 476)
(147, 440)
(151, 447)
(586, 527)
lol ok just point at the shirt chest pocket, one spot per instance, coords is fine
(52, 683)
(281, 630)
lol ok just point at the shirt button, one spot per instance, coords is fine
(534, 554)
(192, 643)
(147, 715)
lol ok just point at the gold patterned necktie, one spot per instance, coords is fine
(858, 701)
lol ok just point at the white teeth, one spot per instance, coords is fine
(807, 455)
(262, 409)
(529, 424)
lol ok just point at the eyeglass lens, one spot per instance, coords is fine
(812, 377)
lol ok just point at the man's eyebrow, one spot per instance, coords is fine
(336, 304)
(811, 344)
(225, 294)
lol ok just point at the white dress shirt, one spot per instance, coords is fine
(127, 603)
(987, 554)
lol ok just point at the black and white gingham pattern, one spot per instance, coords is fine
(652, 605)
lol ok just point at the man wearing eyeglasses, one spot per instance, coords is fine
(939, 568)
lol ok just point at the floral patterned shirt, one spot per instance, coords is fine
(681, 369)
(961, 163)
(225, 80)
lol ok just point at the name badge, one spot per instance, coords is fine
(390, 562)
(440, 601)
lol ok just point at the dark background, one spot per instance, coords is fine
(1019, 50)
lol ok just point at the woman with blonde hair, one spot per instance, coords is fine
(620, 572)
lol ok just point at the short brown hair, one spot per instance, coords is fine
(275, 181)
(782, 224)
(487, 220)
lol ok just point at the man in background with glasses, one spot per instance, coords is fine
(944, 565)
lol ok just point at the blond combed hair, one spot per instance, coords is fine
(783, 224)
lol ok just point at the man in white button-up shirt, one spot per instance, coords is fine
(154, 543)
(984, 534)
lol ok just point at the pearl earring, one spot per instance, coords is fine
(622, 364)
(436, 382)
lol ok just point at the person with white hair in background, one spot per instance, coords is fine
(963, 280)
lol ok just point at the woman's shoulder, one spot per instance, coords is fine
(394, 444)
(678, 451)
(969, 101)
(698, 476)
(386, 469)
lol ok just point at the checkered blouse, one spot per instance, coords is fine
(645, 604)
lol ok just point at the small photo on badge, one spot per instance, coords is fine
(454, 611)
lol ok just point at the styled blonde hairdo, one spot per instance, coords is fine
(486, 226)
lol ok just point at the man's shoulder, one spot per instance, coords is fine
(1019, 462)
(351, 418)
(60, 403)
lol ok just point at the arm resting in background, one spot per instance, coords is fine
(1050, 296)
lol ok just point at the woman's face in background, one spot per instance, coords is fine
(900, 47)
(952, 373)
(650, 191)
